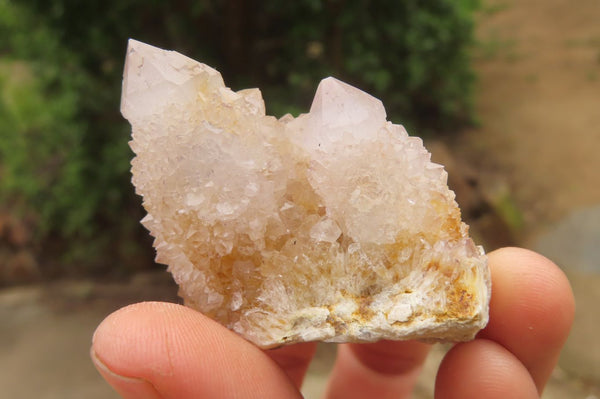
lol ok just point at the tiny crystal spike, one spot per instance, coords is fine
(332, 226)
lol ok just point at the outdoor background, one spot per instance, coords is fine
(505, 93)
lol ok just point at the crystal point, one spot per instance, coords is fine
(332, 226)
(337, 104)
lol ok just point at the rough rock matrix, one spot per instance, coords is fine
(331, 226)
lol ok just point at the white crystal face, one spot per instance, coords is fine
(339, 112)
(331, 226)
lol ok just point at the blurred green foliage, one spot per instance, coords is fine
(64, 158)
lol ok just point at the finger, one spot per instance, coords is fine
(531, 310)
(161, 350)
(294, 360)
(483, 369)
(385, 369)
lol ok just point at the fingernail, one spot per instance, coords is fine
(127, 387)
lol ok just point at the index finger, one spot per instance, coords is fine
(531, 310)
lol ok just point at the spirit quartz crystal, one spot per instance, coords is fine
(332, 226)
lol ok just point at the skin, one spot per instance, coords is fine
(161, 350)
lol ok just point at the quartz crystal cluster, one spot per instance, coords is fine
(331, 226)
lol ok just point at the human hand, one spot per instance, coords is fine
(161, 350)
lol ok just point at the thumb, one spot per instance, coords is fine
(162, 350)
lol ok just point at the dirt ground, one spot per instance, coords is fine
(538, 103)
(538, 140)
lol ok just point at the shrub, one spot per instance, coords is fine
(63, 155)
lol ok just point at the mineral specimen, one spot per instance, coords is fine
(331, 226)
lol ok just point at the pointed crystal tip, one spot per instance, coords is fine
(339, 104)
(151, 75)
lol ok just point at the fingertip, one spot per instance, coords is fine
(535, 291)
(483, 369)
(127, 387)
(132, 340)
(385, 369)
(182, 354)
(391, 357)
(531, 309)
